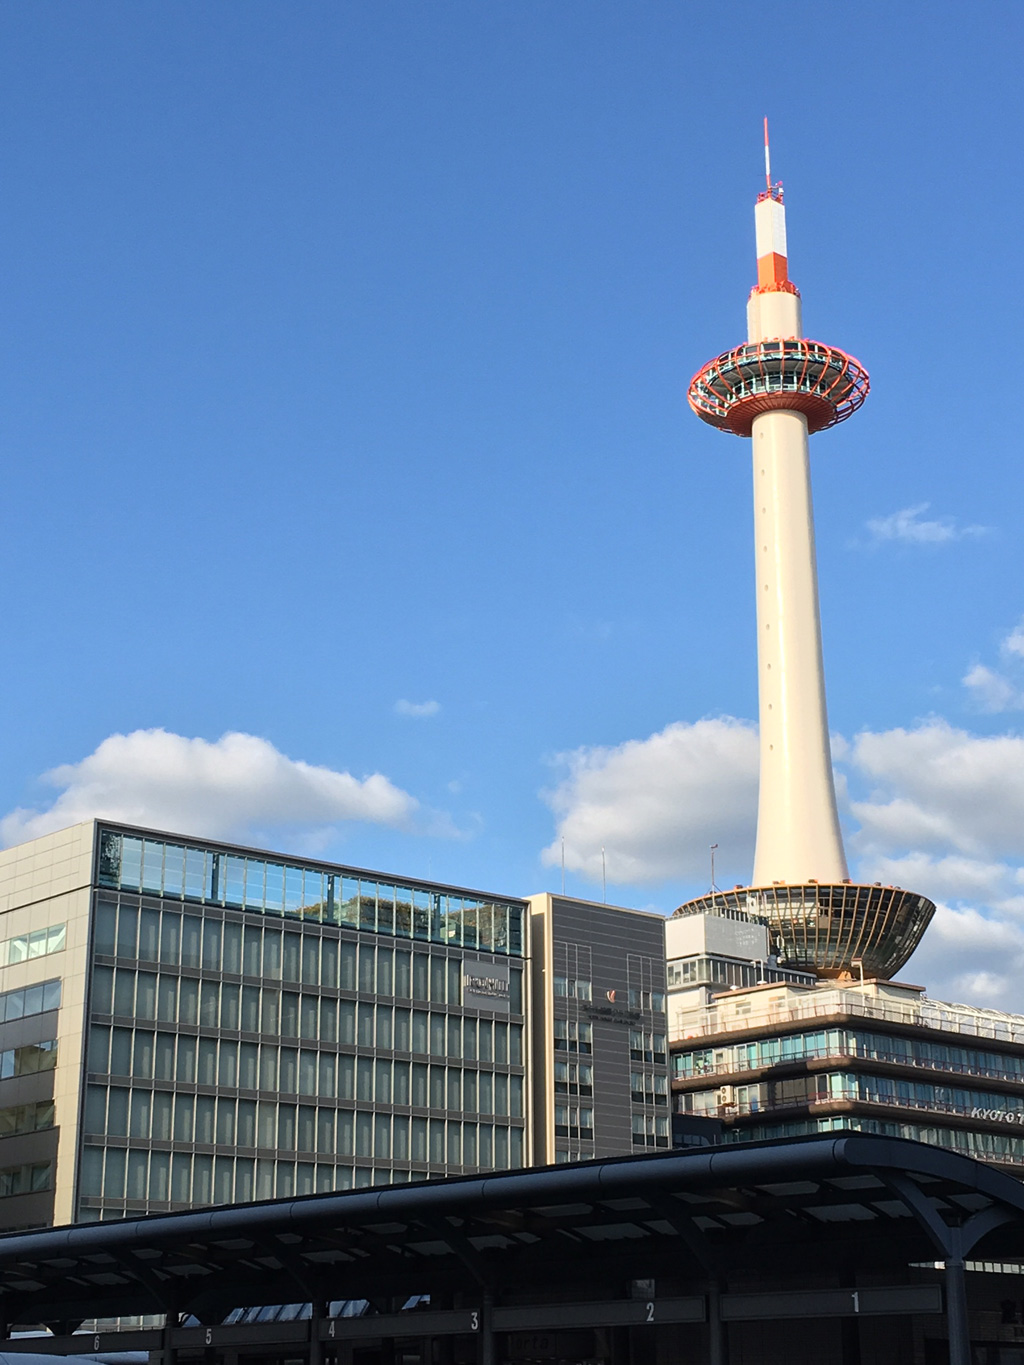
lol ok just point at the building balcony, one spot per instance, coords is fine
(744, 1013)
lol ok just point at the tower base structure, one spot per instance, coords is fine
(838, 931)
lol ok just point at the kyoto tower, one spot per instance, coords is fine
(778, 389)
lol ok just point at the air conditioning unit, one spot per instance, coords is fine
(726, 1094)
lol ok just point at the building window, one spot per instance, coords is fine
(573, 1035)
(27, 1179)
(567, 987)
(574, 1121)
(29, 1000)
(646, 1088)
(27, 1059)
(26, 1118)
(573, 1078)
(650, 1130)
(645, 1046)
(39, 943)
(647, 1000)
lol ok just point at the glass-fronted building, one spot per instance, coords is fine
(878, 1057)
(187, 1022)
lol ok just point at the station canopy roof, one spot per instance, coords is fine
(557, 1232)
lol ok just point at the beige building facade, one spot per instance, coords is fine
(187, 1022)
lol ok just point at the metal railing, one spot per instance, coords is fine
(746, 1108)
(930, 1014)
(841, 1056)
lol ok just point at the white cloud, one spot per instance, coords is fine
(909, 527)
(417, 710)
(941, 789)
(657, 804)
(992, 691)
(224, 789)
(970, 957)
(945, 816)
(936, 809)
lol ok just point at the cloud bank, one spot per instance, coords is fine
(657, 804)
(931, 807)
(226, 789)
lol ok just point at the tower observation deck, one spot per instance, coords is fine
(777, 389)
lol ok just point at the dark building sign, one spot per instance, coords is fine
(485, 985)
(610, 1013)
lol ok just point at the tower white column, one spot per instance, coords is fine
(798, 837)
(779, 388)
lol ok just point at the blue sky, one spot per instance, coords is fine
(345, 351)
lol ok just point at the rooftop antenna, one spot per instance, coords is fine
(714, 888)
(767, 159)
(604, 878)
(563, 864)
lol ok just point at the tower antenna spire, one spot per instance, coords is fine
(767, 158)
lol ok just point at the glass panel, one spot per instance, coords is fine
(124, 992)
(385, 908)
(366, 968)
(127, 931)
(149, 935)
(233, 890)
(252, 950)
(421, 915)
(170, 938)
(187, 1060)
(255, 872)
(368, 905)
(348, 966)
(110, 859)
(329, 962)
(313, 894)
(348, 907)
(403, 912)
(188, 1000)
(212, 937)
(469, 933)
(292, 890)
(310, 960)
(332, 884)
(113, 1174)
(131, 863)
(174, 870)
(145, 1002)
(232, 948)
(500, 928)
(272, 954)
(152, 866)
(191, 938)
(106, 920)
(195, 874)
(274, 892)
(451, 919)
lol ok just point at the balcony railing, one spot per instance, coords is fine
(930, 1014)
(841, 1058)
(746, 1108)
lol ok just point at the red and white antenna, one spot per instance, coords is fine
(770, 225)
